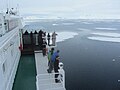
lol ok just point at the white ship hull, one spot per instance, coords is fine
(10, 53)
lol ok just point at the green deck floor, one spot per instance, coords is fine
(26, 74)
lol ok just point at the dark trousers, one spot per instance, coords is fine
(44, 51)
(49, 42)
(51, 66)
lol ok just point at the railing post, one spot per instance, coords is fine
(37, 83)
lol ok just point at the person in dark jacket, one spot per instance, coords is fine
(56, 67)
(48, 38)
(44, 47)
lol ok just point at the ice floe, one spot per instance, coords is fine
(87, 23)
(62, 36)
(107, 34)
(54, 24)
(113, 60)
(109, 39)
(83, 29)
(106, 28)
(118, 80)
(68, 23)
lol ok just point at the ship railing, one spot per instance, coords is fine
(47, 81)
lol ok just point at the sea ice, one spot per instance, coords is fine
(54, 24)
(83, 29)
(106, 28)
(87, 23)
(107, 34)
(62, 36)
(113, 60)
(118, 80)
(68, 23)
(109, 39)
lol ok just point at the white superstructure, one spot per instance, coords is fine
(10, 40)
(11, 26)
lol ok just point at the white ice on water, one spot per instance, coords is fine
(54, 24)
(106, 28)
(109, 39)
(87, 23)
(107, 34)
(62, 36)
(83, 29)
(113, 60)
(104, 36)
(68, 23)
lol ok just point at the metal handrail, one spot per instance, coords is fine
(47, 74)
(61, 78)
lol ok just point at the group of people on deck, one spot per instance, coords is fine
(53, 62)
(53, 37)
(44, 42)
(53, 57)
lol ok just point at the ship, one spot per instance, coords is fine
(14, 39)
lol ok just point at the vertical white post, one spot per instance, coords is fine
(37, 84)
(1, 78)
(1, 74)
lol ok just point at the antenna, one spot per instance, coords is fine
(7, 5)
(17, 9)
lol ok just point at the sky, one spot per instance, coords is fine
(67, 8)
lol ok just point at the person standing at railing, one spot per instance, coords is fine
(48, 38)
(56, 67)
(44, 47)
(55, 60)
(50, 53)
(54, 38)
(44, 43)
(50, 63)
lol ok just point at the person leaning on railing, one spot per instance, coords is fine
(50, 63)
(56, 66)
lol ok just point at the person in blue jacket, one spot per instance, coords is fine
(53, 58)
(55, 54)
(56, 67)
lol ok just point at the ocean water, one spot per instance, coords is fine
(92, 56)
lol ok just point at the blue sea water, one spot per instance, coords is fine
(88, 63)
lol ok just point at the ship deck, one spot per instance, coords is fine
(26, 74)
(45, 81)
